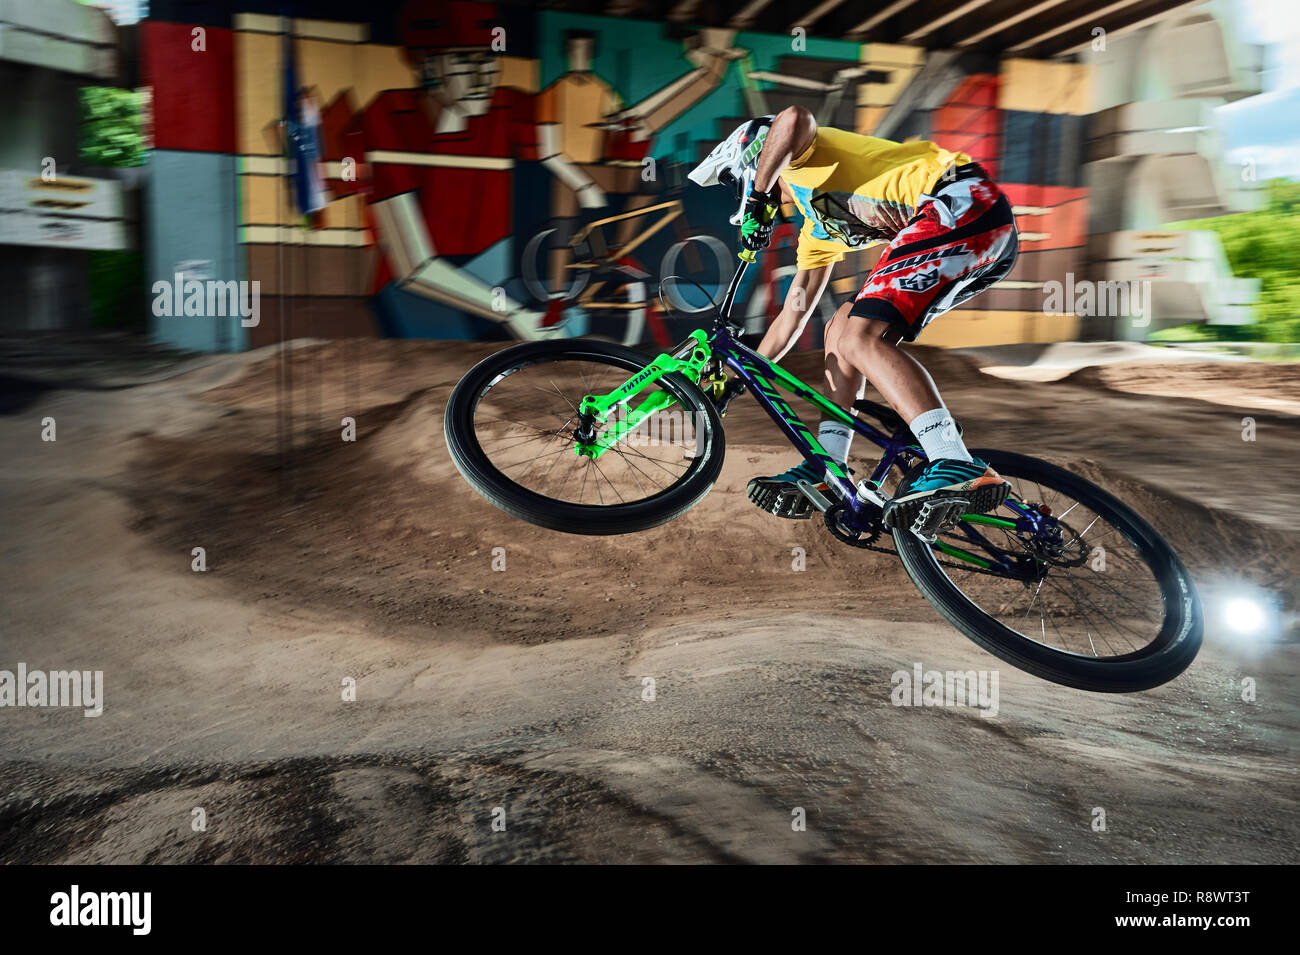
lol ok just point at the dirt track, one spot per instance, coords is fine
(523, 689)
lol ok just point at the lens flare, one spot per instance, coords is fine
(1244, 616)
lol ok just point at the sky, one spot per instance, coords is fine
(122, 11)
(1266, 128)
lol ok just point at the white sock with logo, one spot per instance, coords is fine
(938, 435)
(835, 437)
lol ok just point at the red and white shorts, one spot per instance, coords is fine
(941, 259)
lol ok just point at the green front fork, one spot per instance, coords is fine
(689, 361)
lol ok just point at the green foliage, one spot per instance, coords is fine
(110, 127)
(1205, 333)
(1265, 245)
(111, 136)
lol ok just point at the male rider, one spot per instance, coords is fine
(951, 235)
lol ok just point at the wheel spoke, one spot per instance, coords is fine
(1080, 609)
(516, 418)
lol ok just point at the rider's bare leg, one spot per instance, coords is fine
(871, 348)
(844, 383)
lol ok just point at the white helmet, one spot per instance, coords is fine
(734, 161)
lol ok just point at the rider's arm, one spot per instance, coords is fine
(805, 291)
(792, 132)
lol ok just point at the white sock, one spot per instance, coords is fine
(938, 435)
(834, 437)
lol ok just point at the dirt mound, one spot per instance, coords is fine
(385, 526)
(1241, 384)
(1053, 361)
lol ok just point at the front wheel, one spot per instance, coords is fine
(510, 428)
(1089, 597)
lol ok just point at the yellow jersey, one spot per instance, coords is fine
(854, 191)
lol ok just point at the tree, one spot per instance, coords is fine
(111, 136)
(1263, 245)
(110, 127)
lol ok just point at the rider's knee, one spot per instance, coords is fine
(863, 340)
(835, 328)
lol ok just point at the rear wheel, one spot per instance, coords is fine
(1097, 601)
(510, 428)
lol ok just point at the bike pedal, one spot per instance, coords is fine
(791, 505)
(936, 515)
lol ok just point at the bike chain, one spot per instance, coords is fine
(968, 568)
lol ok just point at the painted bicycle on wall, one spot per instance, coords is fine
(1064, 580)
(599, 266)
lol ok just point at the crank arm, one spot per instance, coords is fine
(815, 497)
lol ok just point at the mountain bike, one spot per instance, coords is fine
(1063, 580)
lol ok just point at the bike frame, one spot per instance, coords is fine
(765, 378)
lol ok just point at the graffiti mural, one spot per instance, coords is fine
(493, 171)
